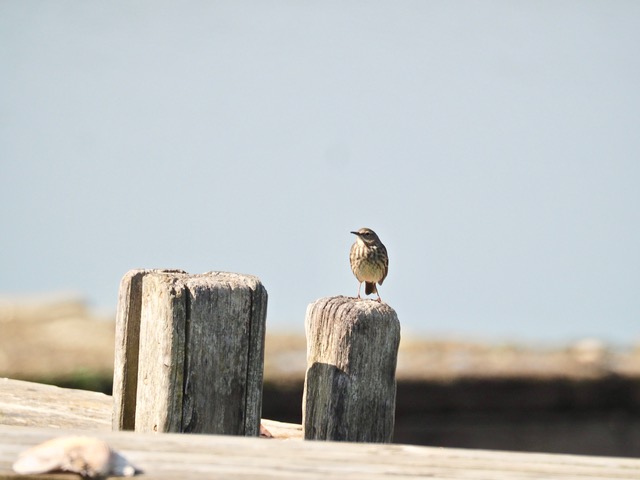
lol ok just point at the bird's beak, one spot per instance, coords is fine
(355, 233)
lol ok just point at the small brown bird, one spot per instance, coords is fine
(369, 261)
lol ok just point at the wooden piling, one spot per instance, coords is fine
(189, 352)
(350, 385)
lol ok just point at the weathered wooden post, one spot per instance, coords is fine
(350, 384)
(189, 352)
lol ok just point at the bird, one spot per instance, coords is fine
(369, 261)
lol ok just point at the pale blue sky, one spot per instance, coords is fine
(493, 146)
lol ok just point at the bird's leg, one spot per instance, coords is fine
(377, 293)
(359, 287)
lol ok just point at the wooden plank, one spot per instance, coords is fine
(350, 384)
(28, 404)
(187, 456)
(127, 340)
(37, 405)
(164, 456)
(125, 377)
(223, 373)
(258, 300)
(162, 347)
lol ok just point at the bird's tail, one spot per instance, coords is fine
(370, 287)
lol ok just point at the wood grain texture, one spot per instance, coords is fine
(127, 338)
(173, 456)
(350, 386)
(28, 404)
(162, 354)
(224, 354)
(194, 344)
(127, 342)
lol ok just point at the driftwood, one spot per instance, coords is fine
(350, 385)
(189, 352)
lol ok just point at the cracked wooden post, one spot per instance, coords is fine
(189, 352)
(350, 383)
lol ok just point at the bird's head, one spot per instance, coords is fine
(367, 236)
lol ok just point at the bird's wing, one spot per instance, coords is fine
(386, 264)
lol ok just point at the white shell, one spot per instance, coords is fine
(87, 456)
